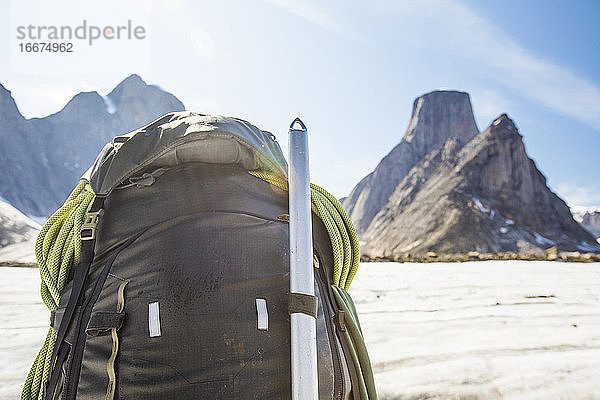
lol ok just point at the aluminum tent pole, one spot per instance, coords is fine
(304, 327)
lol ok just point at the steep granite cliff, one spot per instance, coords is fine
(436, 117)
(458, 191)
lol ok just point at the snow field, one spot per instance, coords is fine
(482, 330)
(476, 330)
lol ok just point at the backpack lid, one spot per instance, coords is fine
(184, 137)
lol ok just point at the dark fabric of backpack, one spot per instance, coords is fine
(188, 245)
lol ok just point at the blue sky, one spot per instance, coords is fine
(351, 70)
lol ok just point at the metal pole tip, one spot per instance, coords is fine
(297, 122)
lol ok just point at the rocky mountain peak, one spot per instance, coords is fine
(85, 102)
(495, 166)
(591, 222)
(438, 116)
(445, 188)
(135, 103)
(48, 155)
(8, 108)
(503, 123)
(4, 92)
(133, 85)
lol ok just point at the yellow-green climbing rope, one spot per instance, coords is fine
(57, 250)
(343, 237)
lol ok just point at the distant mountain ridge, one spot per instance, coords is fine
(449, 189)
(43, 158)
(591, 222)
(446, 187)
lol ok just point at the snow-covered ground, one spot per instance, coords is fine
(23, 252)
(481, 330)
(24, 322)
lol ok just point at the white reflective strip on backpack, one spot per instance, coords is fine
(154, 319)
(262, 315)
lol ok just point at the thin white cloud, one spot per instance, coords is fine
(309, 11)
(451, 27)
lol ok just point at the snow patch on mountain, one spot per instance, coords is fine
(111, 107)
(543, 241)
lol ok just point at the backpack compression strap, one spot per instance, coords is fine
(303, 303)
(88, 242)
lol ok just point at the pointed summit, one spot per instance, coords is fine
(133, 79)
(135, 103)
(89, 103)
(130, 86)
(437, 117)
(504, 124)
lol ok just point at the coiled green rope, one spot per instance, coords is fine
(57, 250)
